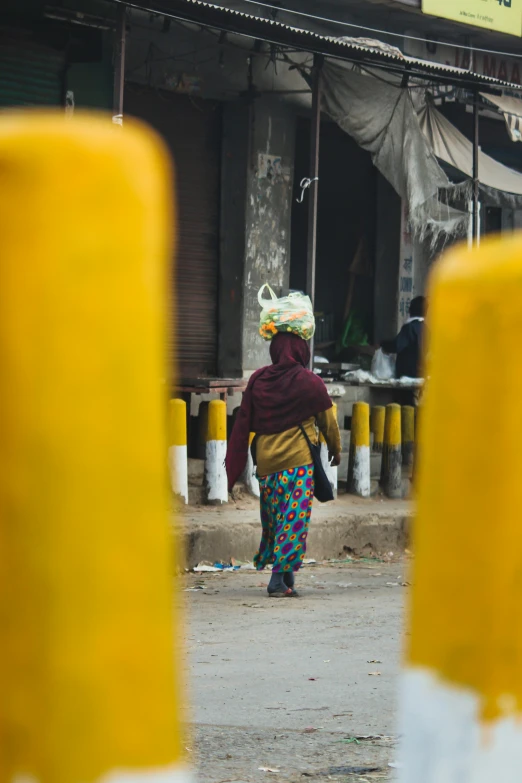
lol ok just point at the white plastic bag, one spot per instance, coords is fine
(383, 365)
(293, 313)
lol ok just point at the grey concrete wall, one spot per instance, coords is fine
(268, 216)
(387, 253)
(422, 260)
(256, 190)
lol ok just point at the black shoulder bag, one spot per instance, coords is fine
(323, 488)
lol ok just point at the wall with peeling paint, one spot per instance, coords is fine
(268, 217)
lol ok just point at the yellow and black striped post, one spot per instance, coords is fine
(462, 686)
(391, 470)
(202, 429)
(377, 417)
(408, 434)
(90, 688)
(359, 456)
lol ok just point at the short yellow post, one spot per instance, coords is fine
(90, 690)
(249, 475)
(408, 434)
(202, 429)
(359, 458)
(391, 469)
(178, 448)
(462, 690)
(333, 472)
(216, 449)
(378, 413)
(330, 470)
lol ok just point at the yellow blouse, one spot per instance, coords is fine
(289, 449)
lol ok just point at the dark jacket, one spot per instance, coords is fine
(407, 346)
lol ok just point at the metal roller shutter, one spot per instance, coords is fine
(192, 131)
(30, 73)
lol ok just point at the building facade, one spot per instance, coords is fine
(232, 100)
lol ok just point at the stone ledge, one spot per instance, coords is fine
(348, 526)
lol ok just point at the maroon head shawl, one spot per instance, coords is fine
(277, 398)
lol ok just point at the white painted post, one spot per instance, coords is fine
(178, 463)
(359, 464)
(330, 470)
(334, 470)
(216, 449)
(249, 476)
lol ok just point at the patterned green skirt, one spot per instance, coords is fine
(286, 507)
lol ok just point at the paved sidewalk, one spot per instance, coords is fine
(288, 684)
(349, 525)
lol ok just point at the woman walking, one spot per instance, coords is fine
(279, 400)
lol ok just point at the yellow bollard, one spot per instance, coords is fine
(333, 470)
(249, 475)
(378, 413)
(464, 656)
(202, 429)
(178, 448)
(359, 458)
(391, 469)
(89, 688)
(408, 434)
(216, 449)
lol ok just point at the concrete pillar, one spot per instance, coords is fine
(202, 429)
(377, 427)
(90, 687)
(408, 434)
(216, 449)
(359, 462)
(178, 463)
(330, 471)
(333, 475)
(249, 476)
(391, 470)
(462, 685)
(406, 267)
(268, 217)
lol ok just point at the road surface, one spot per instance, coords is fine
(289, 684)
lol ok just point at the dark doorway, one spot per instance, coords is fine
(345, 233)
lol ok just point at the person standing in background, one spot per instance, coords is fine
(408, 347)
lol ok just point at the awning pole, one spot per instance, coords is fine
(314, 183)
(476, 194)
(119, 64)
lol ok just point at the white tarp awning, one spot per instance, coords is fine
(511, 108)
(451, 146)
(406, 144)
(381, 118)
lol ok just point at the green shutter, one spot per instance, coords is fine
(30, 74)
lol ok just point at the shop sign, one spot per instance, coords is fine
(504, 16)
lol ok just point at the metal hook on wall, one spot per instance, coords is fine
(304, 184)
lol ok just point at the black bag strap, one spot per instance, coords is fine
(306, 436)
